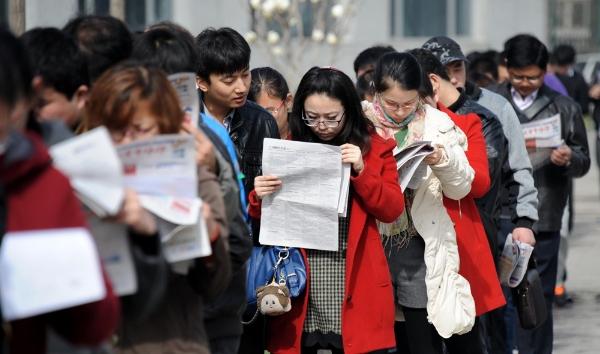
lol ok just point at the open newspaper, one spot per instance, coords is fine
(185, 85)
(162, 170)
(409, 161)
(94, 169)
(541, 137)
(513, 261)
(304, 212)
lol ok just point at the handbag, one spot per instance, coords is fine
(529, 300)
(283, 265)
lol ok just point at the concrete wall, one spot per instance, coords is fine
(47, 13)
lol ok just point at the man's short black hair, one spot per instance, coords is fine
(364, 85)
(370, 56)
(221, 51)
(104, 41)
(55, 57)
(168, 49)
(525, 50)
(430, 64)
(563, 54)
(483, 64)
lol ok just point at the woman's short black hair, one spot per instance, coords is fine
(525, 50)
(221, 51)
(269, 80)
(167, 48)
(397, 68)
(15, 73)
(336, 85)
(369, 56)
(56, 58)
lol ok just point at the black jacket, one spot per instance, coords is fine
(497, 153)
(553, 181)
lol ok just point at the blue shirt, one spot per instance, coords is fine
(223, 134)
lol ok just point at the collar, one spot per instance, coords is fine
(462, 98)
(523, 102)
(226, 120)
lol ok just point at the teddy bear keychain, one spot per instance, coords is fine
(273, 299)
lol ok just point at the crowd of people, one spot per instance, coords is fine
(416, 270)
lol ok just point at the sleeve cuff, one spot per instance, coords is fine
(524, 222)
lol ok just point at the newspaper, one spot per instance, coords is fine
(94, 169)
(304, 212)
(162, 170)
(411, 170)
(185, 85)
(43, 271)
(344, 190)
(513, 261)
(112, 240)
(541, 138)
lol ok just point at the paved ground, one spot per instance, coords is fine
(577, 328)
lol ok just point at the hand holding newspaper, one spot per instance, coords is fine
(162, 170)
(409, 162)
(314, 192)
(513, 261)
(541, 137)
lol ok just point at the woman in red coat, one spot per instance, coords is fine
(348, 304)
(476, 260)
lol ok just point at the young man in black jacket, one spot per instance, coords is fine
(526, 59)
(223, 77)
(224, 80)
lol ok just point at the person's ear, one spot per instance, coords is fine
(289, 100)
(80, 97)
(435, 84)
(202, 84)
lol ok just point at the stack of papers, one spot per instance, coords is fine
(315, 186)
(163, 172)
(48, 270)
(94, 169)
(185, 85)
(541, 137)
(513, 261)
(409, 162)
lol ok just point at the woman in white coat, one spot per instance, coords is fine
(431, 297)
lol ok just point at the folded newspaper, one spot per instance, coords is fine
(542, 136)
(513, 261)
(185, 85)
(94, 169)
(409, 160)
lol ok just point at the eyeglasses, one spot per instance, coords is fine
(327, 122)
(132, 131)
(275, 110)
(394, 106)
(531, 79)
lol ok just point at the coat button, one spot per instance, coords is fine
(349, 298)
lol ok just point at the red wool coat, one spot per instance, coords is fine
(39, 197)
(368, 308)
(476, 260)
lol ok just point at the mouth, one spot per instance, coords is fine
(240, 100)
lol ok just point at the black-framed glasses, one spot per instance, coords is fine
(327, 122)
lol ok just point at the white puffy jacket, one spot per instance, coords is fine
(450, 305)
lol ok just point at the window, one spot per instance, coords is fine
(427, 18)
(138, 14)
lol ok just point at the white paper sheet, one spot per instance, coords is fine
(91, 163)
(180, 211)
(513, 261)
(161, 166)
(344, 190)
(185, 242)
(112, 240)
(49, 270)
(185, 85)
(304, 212)
(409, 160)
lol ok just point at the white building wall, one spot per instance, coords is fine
(46, 13)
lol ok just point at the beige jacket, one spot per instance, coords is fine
(450, 305)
